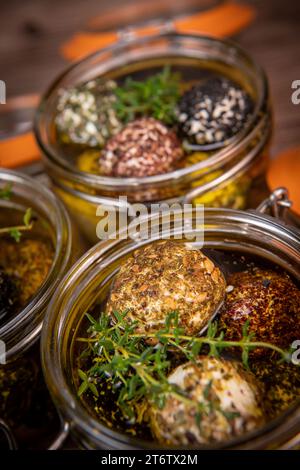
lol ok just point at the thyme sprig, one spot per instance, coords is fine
(139, 370)
(156, 96)
(6, 192)
(16, 231)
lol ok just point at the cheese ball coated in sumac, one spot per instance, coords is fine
(164, 277)
(270, 301)
(144, 147)
(229, 397)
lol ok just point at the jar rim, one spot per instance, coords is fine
(28, 322)
(220, 157)
(57, 323)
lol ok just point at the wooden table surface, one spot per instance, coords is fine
(31, 32)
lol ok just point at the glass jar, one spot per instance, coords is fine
(20, 377)
(231, 177)
(250, 232)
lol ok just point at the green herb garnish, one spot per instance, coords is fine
(6, 192)
(123, 356)
(156, 96)
(16, 231)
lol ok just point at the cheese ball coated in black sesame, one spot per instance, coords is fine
(144, 147)
(213, 111)
(165, 277)
(269, 301)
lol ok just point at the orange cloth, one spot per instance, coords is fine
(284, 170)
(221, 21)
(18, 151)
(224, 20)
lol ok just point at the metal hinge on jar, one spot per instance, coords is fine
(276, 204)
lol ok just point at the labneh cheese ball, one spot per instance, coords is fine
(8, 295)
(213, 111)
(144, 147)
(271, 303)
(165, 277)
(229, 397)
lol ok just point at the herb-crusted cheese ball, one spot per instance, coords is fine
(164, 277)
(271, 303)
(228, 397)
(213, 111)
(144, 147)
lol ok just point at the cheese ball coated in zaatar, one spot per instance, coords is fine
(228, 396)
(144, 147)
(164, 277)
(271, 303)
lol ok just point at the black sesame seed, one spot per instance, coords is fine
(266, 282)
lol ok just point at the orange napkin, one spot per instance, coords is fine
(18, 151)
(224, 20)
(284, 170)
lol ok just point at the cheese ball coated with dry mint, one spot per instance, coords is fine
(144, 147)
(164, 277)
(271, 303)
(85, 113)
(228, 396)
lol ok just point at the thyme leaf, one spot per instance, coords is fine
(156, 96)
(15, 234)
(140, 370)
(6, 192)
(27, 217)
(16, 231)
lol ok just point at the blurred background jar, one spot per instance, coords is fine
(35, 263)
